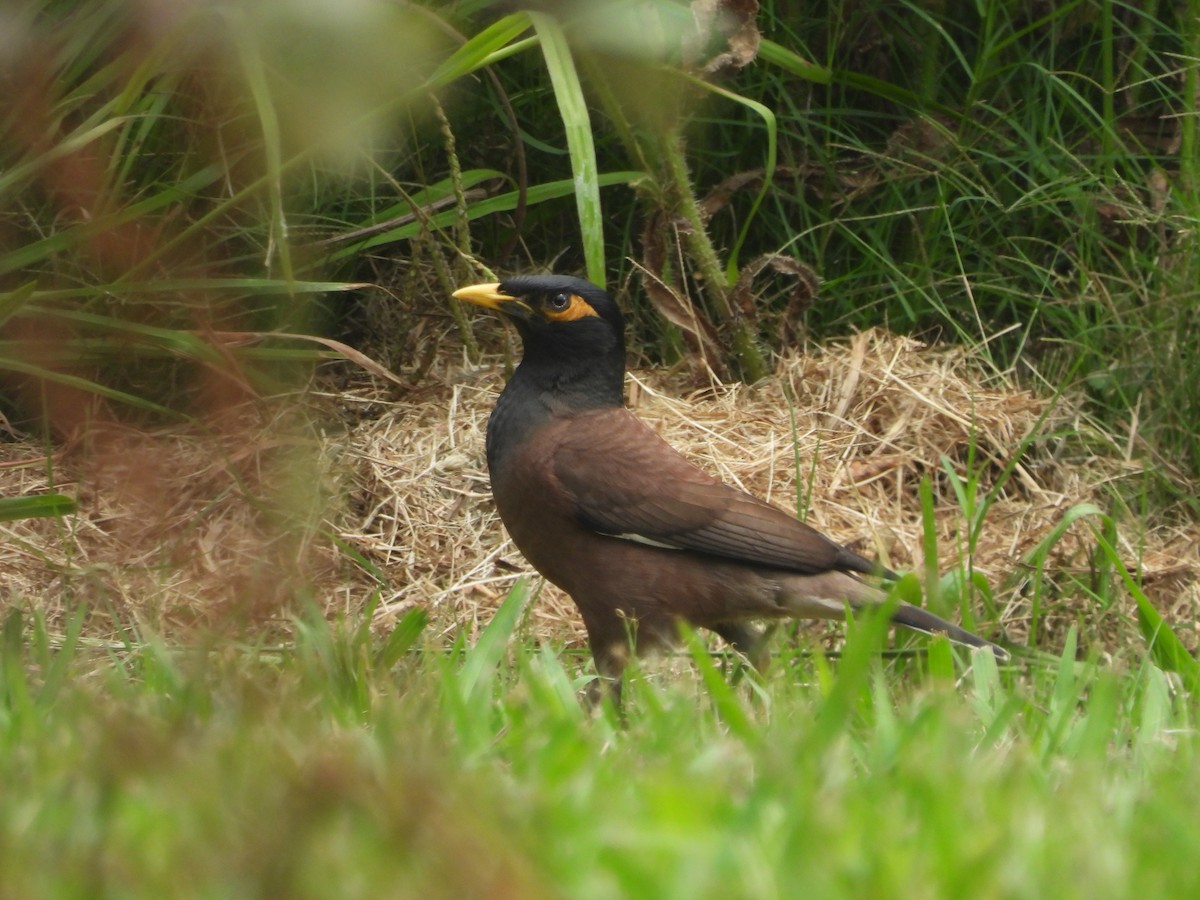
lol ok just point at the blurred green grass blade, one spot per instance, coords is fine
(964, 495)
(20, 174)
(14, 684)
(889, 91)
(248, 286)
(430, 195)
(848, 690)
(123, 331)
(149, 112)
(1153, 712)
(553, 684)
(552, 190)
(11, 302)
(929, 539)
(994, 704)
(1066, 701)
(57, 665)
(35, 506)
(573, 111)
(268, 119)
(1035, 559)
(778, 55)
(481, 50)
(1166, 648)
(940, 659)
(219, 209)
(722, 694)
(154, 340)
(402, 638)
(356, 556)
(66, 240)
(175, 341)
(484, 657)
(91, 387)
(1093, 735)
(77, 351)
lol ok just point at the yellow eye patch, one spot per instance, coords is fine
(576, 308)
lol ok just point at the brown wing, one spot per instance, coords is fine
(627, 481)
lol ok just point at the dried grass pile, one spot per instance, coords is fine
(860, 421)
(180, 531)
(227, 526)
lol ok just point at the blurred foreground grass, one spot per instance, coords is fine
(350, 766)
(184, 188)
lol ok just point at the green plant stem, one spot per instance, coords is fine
(1189, 146)
(1108, 88)
(747, 355)
(711, 274)
(462, 235)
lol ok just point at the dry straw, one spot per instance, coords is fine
(185, 528)
(872, 415)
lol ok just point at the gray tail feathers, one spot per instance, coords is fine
(922, 620)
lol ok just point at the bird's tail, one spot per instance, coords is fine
(826, 595)
(922, 620)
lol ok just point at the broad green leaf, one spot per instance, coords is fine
(573, 111)
(481, 50)
(35, 506)
(402, 638)
(789, 61)
(484, 657)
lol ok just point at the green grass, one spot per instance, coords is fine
(349, 765)
(1007, 177)
(151, 200)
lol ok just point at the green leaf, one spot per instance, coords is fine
(441, 192)
(572, 108)
(940, 660)
(11, 302)
(778, 55)
(866, 631)
(1168, 651)
(723, 696)
(90, 387)
(484, 657)
(1035, 559)
(541, 193)
(255, 72)
(245, 286)
(485, 48)
(68, 239)
(35, 506)
(402, 638)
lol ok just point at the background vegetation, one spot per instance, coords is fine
(202, 204)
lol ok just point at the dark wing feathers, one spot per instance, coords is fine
(625, 480)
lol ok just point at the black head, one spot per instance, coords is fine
(574, 349)
(558, 317)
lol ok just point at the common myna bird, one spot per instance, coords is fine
(634, 532)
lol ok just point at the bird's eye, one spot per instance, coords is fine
(559, 302)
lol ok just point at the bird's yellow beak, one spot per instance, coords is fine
(489, 296)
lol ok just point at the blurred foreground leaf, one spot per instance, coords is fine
(35, 507)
